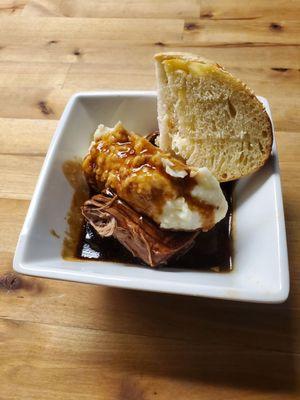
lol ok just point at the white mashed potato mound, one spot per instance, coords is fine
(176, 214)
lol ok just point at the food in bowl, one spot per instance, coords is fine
(153, 183)
(167, 205)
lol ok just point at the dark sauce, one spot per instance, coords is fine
(211, 251)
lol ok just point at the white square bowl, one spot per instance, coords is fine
(260, 264)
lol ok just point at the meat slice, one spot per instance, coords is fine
(110, 216)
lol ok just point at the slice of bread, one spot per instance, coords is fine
(210, 118)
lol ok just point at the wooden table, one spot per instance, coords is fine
(62, 340)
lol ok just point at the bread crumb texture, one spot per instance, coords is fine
(210, 118)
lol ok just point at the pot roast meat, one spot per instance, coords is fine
(110, 216)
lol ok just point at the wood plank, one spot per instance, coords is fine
(33, 103)
(18, 175)
(206, 9)
(113, 8)
(248, 10)
(12, 213)
(206, 32)
(46, 361)
(242, 32)
(97, 77)
(25, 136)
(140, 55)
(18, 75)
(13, 7)
(19, 28)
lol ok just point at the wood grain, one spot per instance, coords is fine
(248, 10)
(111, 362)
(41, 75)
(27, 29)
(22, 184)
(206, 9)
(33, 103)
(16, 210)
(241, 32)
(12, 7)
(113, 8)
(137, 54)
(18, 135)
(73, 341)
(228, 32)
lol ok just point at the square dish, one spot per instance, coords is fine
(260, 265)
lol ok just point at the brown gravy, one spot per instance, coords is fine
(212, 249)
(122, 157)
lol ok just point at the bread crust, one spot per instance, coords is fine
(160, 57)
